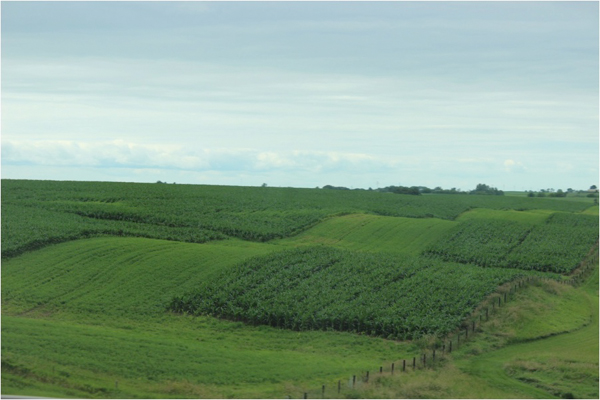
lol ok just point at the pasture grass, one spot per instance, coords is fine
(220, 357)
(373, 233)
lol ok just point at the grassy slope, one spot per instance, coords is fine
(562, 361)
(373, 233)
(115, 275)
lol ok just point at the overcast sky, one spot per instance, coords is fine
(302, 94)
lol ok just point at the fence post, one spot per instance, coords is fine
(305, 395)
(339, 386)
(367, 377)
(474, 326)
(353, 381)
(381, 370)
(403, 365)
(433, 357)
(450, 347)
(323, 391)
(392, 368)
(414, 362)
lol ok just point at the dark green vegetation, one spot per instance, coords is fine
(555, 245)
(90, 269)
(398, 297)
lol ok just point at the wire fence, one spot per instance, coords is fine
(349, 387)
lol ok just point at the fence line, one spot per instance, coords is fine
(473, 322)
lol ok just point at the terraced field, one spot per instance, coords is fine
(91, 273)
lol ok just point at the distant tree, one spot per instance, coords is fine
(485, 189)
(263, 185)
(335, 187)
(530, 194)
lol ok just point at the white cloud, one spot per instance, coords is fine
(135, 156)
(513, 166)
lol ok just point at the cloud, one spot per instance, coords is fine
(135, 156)
(513, 166)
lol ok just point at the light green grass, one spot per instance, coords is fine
(86, 354)
(131, 276)
(365, 232)
(561, 362)
(593, 210)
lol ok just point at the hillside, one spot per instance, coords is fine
(205, 291)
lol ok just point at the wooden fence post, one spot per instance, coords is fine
(392, 368)
(339, 386)
(403, 365)
(414, 362)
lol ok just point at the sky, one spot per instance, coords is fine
(302, 94)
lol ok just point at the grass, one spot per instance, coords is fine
(373, 233)
(553, 353)
(130, 276)
(220, 357)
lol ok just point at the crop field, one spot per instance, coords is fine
(162, 290)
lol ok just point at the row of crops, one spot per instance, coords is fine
(398, 297)
(557, 245)
(35, 213)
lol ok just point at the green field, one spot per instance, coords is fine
(153, 290)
